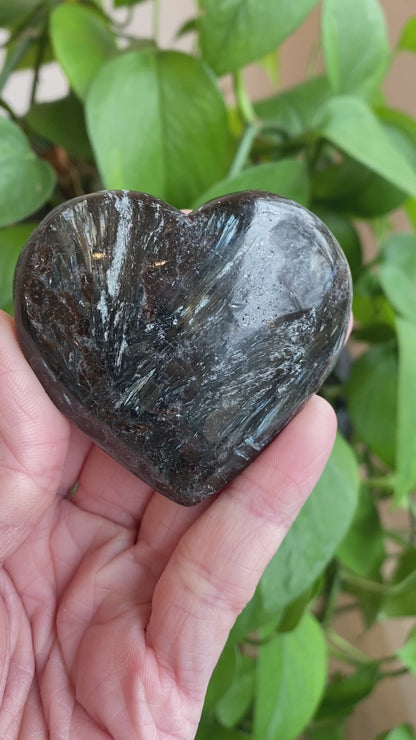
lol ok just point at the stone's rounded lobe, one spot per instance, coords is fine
(182, 344)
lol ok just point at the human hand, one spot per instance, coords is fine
(115, 603)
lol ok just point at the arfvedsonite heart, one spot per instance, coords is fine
(182, 344)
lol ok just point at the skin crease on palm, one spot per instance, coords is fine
(115, 604)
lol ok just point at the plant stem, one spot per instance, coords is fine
(344, 650)
(119, 25)
(365, 583)
(388, 658)
(331, 595)
(38, 63)
(343, 657)
(386, 482)
(345, 608)
(243, 150)
(314, 154)
(396, 536)
(269, 126)
(394, 674)
(295, 145)
(385, 589)
(412, 522)
(9, 110)
(13, 60)
(347, 648)
(243, 101)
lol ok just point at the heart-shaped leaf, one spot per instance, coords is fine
(350, 124)
(236, 32)
(290, 666)
(355, 45)
(26, 181)
(95, 44)
(145, 134)
(62, 122)
(316, 533)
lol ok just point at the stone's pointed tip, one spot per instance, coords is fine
(182, 346)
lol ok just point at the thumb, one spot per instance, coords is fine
(218, 562)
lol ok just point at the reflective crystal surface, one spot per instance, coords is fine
(182, 344)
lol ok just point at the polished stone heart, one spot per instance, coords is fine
(182, 344)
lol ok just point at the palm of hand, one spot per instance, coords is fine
(115, 604)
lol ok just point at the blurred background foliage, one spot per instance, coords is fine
(142, 118)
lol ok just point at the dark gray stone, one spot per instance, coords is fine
(182, 344)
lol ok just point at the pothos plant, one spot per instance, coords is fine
(140, 118)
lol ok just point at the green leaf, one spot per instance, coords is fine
(288, 177)
(293, 110)
(209, 729)
(315, 534)
(294, 612)
(407, 653)
(374, 333)
(271, 65)
(222, 677)
(12, 12)
(401, 601)
(368, 602)
(355, 45)
(345, 692)
(189, 26)
(350, 124)
(94, 45)
(397, 273)
(290, 680)
(410, 207)
(30, 57)
(12, 241)
(406, 412)
(235, 703)
(362, 549)
(372, 400)
(352, 188)
(121, 3)
(26, 182)
(344, 232)
(145, 133)
(370, 306)
(62, 122)
(404, 732)
(401, 129)
(326, 731)
(407, 41)
(255, 615)
(237, 32)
